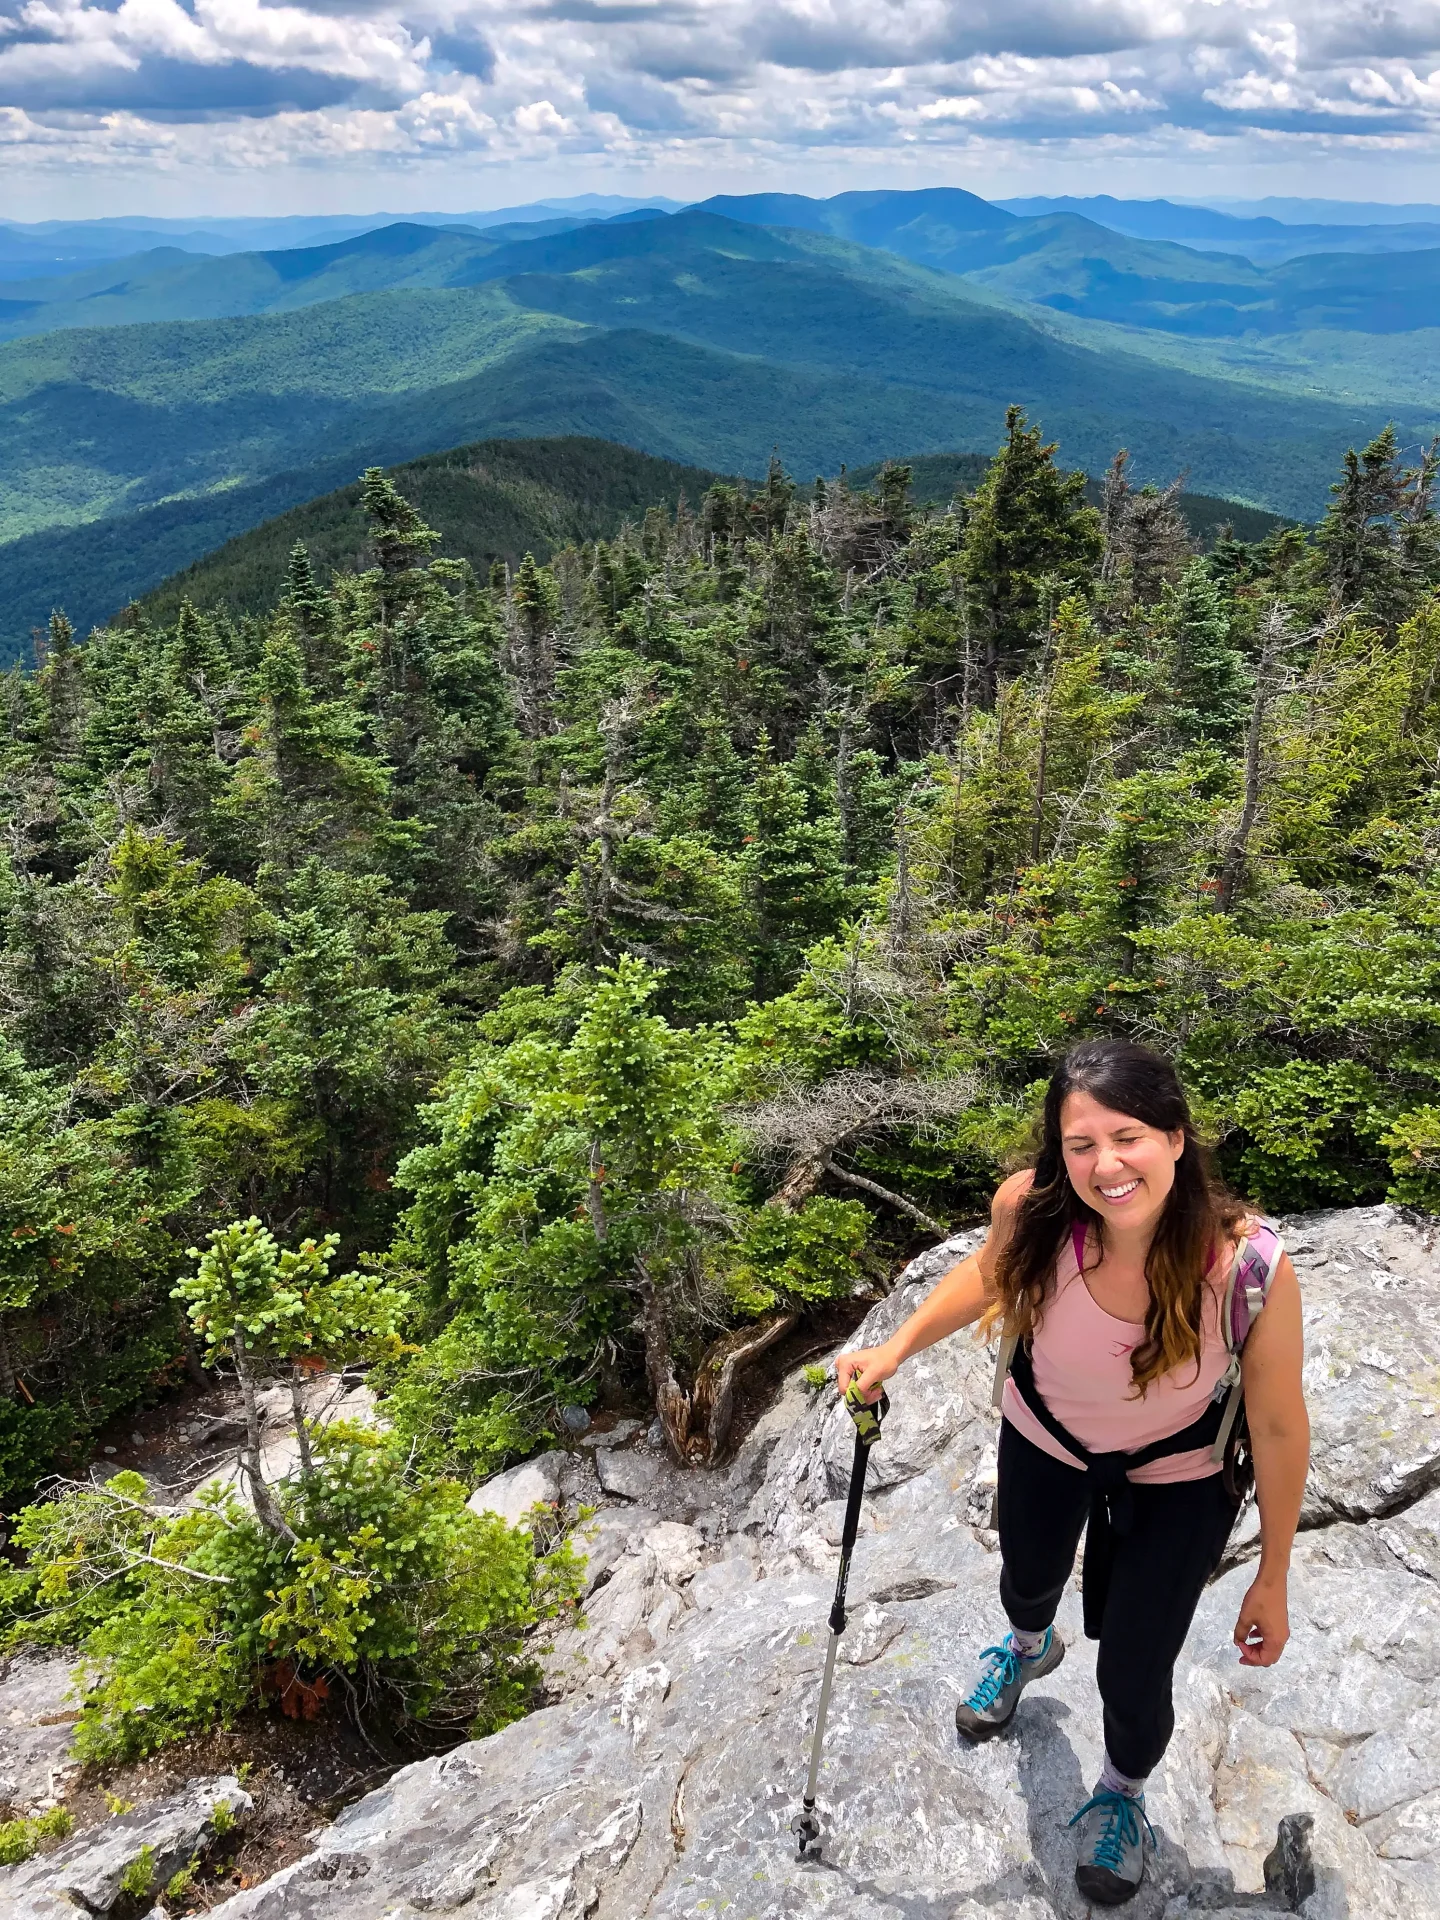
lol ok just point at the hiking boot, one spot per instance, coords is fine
(1004, 1675)
(1111, 1861)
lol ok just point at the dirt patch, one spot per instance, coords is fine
(299, 1774)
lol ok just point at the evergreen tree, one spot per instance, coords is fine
(1205, 681)
(398, 536)
(1377, 545)
(534, 617)
(1028, 525)
(794, 870)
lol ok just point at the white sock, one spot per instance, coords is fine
(1028, 1644)
(1113, 1781)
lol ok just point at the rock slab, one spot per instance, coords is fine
(514, 1493)
(662, 1787)
(86, 1873)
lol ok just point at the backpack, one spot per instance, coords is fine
(1246, 1291)
(1247, 1288)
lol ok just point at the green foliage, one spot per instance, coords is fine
(547, 990)
(386, 1580)
(21, 1840)
(579, 1171)
(284, 1305)
(804, 1256)
(179, 1886)
(138, 1879)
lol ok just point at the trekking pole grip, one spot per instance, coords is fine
(867, 1415)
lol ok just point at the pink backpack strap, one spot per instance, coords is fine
(1246, 1291)
(1248, 1287)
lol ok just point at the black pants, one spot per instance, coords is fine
(1161, 1566)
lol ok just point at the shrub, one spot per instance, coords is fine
(383, 1583)
(20, 1840)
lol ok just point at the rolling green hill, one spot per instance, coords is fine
(168, 284)
(1057, 259)
(495, 500)
(1076, 265)
(694, 338)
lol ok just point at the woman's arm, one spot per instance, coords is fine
(1270, 1369)
(955, 1301)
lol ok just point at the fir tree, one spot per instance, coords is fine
(1206, 684)
(1028, 524)
(794, 870)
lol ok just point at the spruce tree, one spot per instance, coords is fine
(1028, 526)
(794, 866)
(534, 615)
(1377, 546)
(1206, 690)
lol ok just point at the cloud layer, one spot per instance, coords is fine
(681, 86)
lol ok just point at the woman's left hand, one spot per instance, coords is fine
(1264, 1624)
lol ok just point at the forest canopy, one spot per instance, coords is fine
(605, 963)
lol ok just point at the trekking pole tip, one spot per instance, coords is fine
(806, 1829)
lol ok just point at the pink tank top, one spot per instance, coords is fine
(1081, 1357)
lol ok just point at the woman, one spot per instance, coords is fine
(1110, 1261)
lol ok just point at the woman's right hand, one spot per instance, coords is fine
(870, 1366)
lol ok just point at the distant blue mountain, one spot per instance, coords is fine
(52, 247)
(1061, 260)
(1265, 239)
(1331, 212)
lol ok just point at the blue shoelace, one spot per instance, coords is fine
(1005, 1672)
(1122, 1827)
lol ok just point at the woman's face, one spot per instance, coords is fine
(1118, 1165)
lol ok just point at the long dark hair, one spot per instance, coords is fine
(1199, 1219)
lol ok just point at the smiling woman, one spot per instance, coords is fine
(1126, 1282)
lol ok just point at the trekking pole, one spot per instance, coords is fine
(805, 1826)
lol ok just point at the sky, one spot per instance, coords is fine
(186, 107)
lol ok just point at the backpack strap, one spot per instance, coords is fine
(1246, 1291)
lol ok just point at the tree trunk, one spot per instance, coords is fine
(697, 1423)
(194, 1372)
(901, 930)
(267, 1510)
(1233, 869)
(896, 1200)
(302, 1435)
(672, 1403)
(803, 1178)
(595, 1195)
(7, 1364)
(712, 1403)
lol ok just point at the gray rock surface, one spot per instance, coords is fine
(615, 1436)
(513, 1493)
(86, 1872)
(36, 1718)
(628, 1476)
(1372, 1358)
(663, 1781)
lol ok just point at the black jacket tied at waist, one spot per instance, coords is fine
(1112, 1502)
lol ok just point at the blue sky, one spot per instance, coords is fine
(234, 106)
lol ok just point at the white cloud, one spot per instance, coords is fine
(748, 84)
